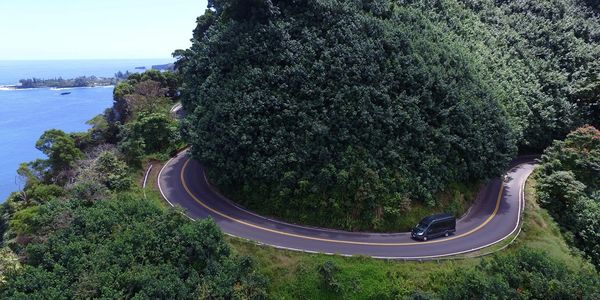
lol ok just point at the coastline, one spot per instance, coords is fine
(17, 88)
(7, 87)
(26, 113)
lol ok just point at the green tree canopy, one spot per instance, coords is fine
(143, 92)
(156, 131)
(569, 187)
(526, 274)
(60, 149)
(334, 107)
(127, 248)
(542, 56)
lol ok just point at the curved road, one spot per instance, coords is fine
(494, 216)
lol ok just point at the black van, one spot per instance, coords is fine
(434, 226)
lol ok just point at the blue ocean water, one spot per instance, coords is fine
(26, 114)
(12, 71)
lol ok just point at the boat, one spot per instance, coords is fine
(65, 93)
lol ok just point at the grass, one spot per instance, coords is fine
(294, 275)
(540, 231)
(151, 191)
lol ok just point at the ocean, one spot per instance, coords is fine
(26, 114)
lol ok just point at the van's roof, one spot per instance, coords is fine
(437, 217)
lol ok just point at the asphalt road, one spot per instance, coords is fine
(493, 217)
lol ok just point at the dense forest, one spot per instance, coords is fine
(82, 81)
(348, 113)
(125, 247)
(569, 187)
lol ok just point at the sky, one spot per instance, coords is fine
(95, 29)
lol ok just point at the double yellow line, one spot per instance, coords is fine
(185, 186)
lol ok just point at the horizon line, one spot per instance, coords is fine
(64, 59)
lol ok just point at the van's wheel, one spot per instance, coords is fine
(424, 238)
(446, 234)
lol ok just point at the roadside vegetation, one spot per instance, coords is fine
(540, 264)
(349, 114)
(569, 187)
(81, 228)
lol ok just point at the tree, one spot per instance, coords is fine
(113, 171)
(133, 150)
(526, 274)
(156, 131)
(542, 57)
(587, 226)
(102, 131)
(104, 172)
(148, 96)
(285, 98)
(121, 111)
(149, 92)
(129, 248)
(60, 149)
(559, 192)
(569, 187)
(9, 262)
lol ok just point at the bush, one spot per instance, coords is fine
(24, 220)
(148, 133)
(527, 274)
(569, 187)
(128, 248)
(327, 272)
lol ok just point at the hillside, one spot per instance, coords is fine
(348, 114)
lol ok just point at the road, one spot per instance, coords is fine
(494, 216)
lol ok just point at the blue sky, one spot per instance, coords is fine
(95, 29)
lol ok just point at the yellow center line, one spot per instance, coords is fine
(185, 186)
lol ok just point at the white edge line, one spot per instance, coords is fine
(158, 181)
(521, 207)
(146, 176)
(145, 180)
(175, 107)
(327, 230)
